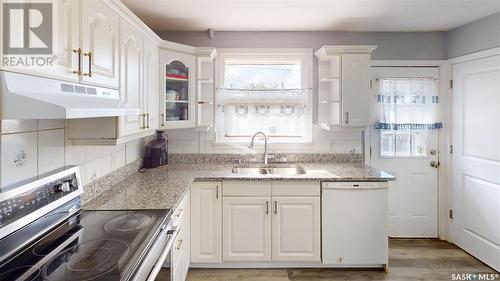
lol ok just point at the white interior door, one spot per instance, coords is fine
(476, 158)
(413, 197)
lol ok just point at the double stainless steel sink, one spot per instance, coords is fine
(287, 170)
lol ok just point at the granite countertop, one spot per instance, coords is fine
(163, 187)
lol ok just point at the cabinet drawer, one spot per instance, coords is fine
(181, 209)
(295, 188)
(246, 188)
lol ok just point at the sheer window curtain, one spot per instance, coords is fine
(408, 104)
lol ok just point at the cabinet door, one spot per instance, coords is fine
(100, 35)
(296, 229)
(206, 212)
(67, 28)
(177, 103)
(246, 229)
(150, 86)
(131, 78)
(355, 90)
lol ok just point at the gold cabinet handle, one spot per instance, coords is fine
(179, 213)
(162, 120)
(89, 55)
(79, 52)
(275, 207)
(347, 118)
(267, 207)
(143, 125)
(217, 192)
(147, 119)
(179, 244)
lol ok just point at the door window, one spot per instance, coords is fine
(407, 109)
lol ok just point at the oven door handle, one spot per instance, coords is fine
(156, 269)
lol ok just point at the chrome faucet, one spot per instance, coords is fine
(266, 156)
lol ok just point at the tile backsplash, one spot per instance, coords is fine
(29, 148)
(337, 141)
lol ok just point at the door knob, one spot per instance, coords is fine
(435, 164)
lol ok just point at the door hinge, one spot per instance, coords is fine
(451, 214)
(451, 148)
(451, 84)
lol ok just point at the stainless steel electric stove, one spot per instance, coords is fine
(46, 236)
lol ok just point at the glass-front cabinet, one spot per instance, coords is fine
(177, 108)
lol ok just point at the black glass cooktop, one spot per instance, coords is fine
(91, 245)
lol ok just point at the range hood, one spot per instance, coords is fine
(31, 97)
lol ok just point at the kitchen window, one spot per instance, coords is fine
(264, 91)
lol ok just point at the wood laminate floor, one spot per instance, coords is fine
(409, 259)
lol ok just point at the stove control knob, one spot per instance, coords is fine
(62, 187)
(66, 186)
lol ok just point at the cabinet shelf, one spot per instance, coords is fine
(329, 79)
(205, 80)
(176, 79)
(328, 127)
(205, 102)
(177, 101)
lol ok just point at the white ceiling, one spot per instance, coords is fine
(310, 15)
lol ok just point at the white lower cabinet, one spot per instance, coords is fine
(246, 229)
(262, 221)
(296, 229)
(181, 249)
(206, 214)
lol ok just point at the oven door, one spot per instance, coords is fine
(159, 252)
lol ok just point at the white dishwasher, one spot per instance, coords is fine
(355, 224)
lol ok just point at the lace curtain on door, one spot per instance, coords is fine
(407, 104)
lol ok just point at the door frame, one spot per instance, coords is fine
(444, 139)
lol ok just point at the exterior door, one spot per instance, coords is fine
(296, 229)
(246, 229)
(476, 158)
(206, 213)
(413, 197)
(100, 29)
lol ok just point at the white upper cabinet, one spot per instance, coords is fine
(100, 40)
(344, 86)
(150, 85)
(67, 47)
(131, 91)
(177, 95)
(205, 89)
(355, 90)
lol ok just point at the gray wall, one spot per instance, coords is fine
(472, 37)
(476, 36)
(391, 45)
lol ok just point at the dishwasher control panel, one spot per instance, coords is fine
(355, 185)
